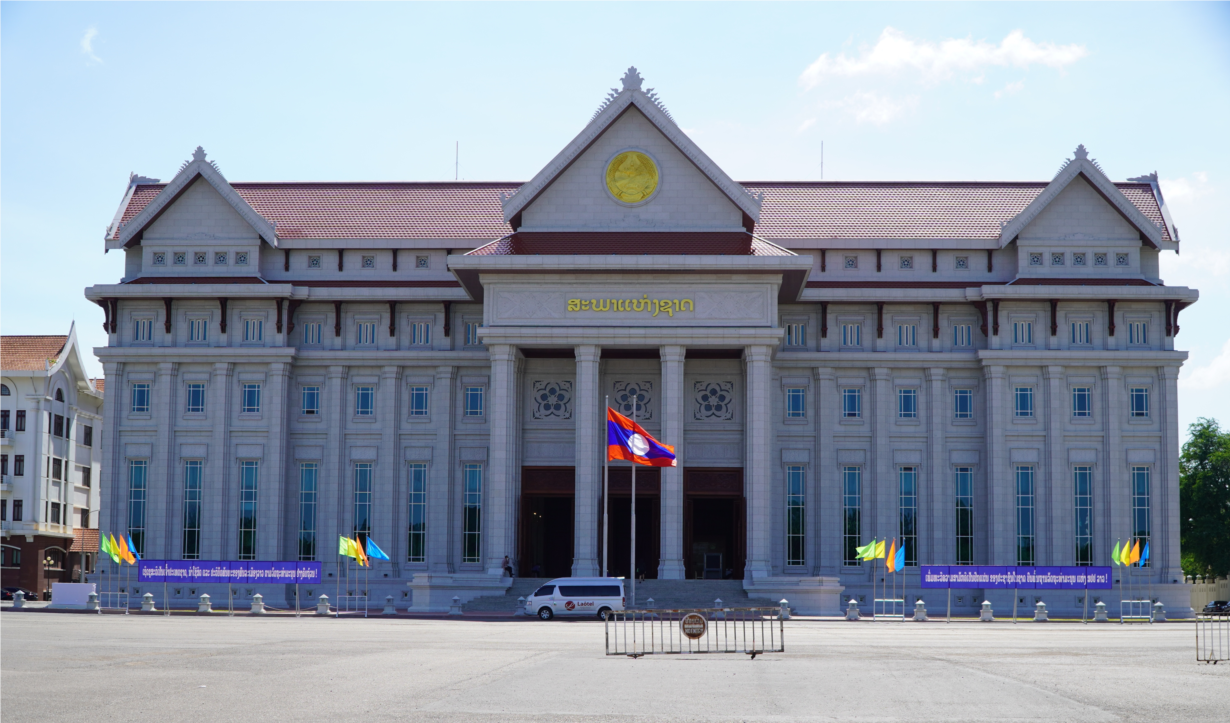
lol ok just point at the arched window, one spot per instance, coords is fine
(59, 395)
(4, 390)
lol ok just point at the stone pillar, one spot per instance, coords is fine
(999, 506)
(758, 464)
(826, 513)
(389, 504)
(1164, 551)
(501, 473)
(1056, 491)
(673, 409)
(588, 470)
(880, 487)
(440, 519)
(111, 509)
(218, 529)
(161, 487)
(1114, 501)
(334, 480)
(271, 538)
(938, 539)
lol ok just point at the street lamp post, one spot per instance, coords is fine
(47, 563)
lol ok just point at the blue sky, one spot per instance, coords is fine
(917, 91)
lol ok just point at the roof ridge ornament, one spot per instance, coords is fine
(198, 156)
(632, 79)
(136, 180)
(1147, 178)
(1080, 154)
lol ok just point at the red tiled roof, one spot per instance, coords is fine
(100, 384)
(30, 353)
(821, 209)
(84, 540)
(737, 243)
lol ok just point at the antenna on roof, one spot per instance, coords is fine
(457, 161)
(821, 160)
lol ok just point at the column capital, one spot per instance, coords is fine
(166, 369)
(827, 374)
(993, 371)
(390, 372)
(1110, 372)
(112, 368)
(446, 372)
(281, 369)
(672, 352)
(587, 352)
(757, 353)
(881, 374)
(936, 374)
(502, 352)
(1052, 372)
(1169, 372)
(223, 367)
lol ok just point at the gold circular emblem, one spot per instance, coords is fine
(632, 177)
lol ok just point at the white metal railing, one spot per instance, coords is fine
(1212, 637)
(702, 630)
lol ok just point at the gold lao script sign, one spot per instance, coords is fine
(643, 305)
(693, 625)
(632, 177)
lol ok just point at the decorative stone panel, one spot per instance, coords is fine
(713, 401)
(553, 400)
(626, 394)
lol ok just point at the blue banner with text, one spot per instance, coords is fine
(990, 577)
(204, 571)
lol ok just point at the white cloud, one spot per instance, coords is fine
(1183, 189)
(1211, 376)
(87, 44)
(1010, 89)
(869, 107)
(894, 52)
(806, 124)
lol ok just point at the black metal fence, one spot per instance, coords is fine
(703, 630)
(1212, 638)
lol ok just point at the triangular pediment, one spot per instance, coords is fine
(571, 193)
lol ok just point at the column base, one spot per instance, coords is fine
(805, 595)
(671, 570)
(585, 568)
(434, 593)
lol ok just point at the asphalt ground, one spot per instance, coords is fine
(180, 668)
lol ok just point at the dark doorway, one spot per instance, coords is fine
(648, 523)
(547, 510)
(714, 523)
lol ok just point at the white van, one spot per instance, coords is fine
(577, 596)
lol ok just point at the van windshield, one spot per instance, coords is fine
(544, 591)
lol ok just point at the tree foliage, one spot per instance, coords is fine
(1204, 500)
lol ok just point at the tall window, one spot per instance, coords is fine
(1082, 402)
(362, 500)
(964, 477)
(416, 548)
(251, 398)
(311, 332)
(87, 435)
(1022, 332)
(17, 511)
(907, 403)
(140, 398)
(1140, 507)
(19, 424)
(1024, 515)
(4, 420)
(418, 401)
(142, 329)
(253, 330)
(796, 403)
(1138, 332)
(138, 473)
(851, 334)
(249, 475)
(795, 517)
(308, 472)
(1084, 514)
(472, 328)
(852, 403)
(908, 505)
(963, 403)
(57, 427)
(365, 400)
(195, 402)
(471, 514)
(1023, 401)
(962, 335)
(193, 477)
(198, 330)
(1139, 402)
(420, 333)
(1080, 332)
(474, 402)
(19, 465)
(907, 335)
(796, 335)
(310, 397)
(851, 514)
(365, 333)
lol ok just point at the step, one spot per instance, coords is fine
(666, 594)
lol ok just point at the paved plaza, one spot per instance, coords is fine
(187, 668)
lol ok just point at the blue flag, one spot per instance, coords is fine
(899, 562)
(1145, 555)
(375, 552)
(133, 549)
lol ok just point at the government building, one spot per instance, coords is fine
(985, 371)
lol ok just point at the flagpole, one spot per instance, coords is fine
(606, 483)
(337, 599)
(635, 403)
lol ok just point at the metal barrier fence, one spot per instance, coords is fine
(113, 601)
(702, 630)
(352, 604)
(1212, 638)
(1136, 611)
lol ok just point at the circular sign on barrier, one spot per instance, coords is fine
(693, 625)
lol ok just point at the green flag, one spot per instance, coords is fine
(870, 553)
(860, 553)
(1114, 554)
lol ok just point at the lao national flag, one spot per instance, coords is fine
(626, 439)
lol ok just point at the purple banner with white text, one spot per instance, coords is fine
(205, 571)
(991, 577)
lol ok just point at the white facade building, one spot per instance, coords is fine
(983, 370)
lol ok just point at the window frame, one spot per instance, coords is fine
(1141, 480)
(138, 499)
(365, 400)
(472, 514)
(250, 398)
(249, 499)
(963, 489)
(796, 515)
(1021, 392)
(958, 413)
(416, 512)
(309, 392)
(796, 403)
(362, 489)
(907, 511)
(851, 514)
(907, 403)
(191, 389)
(193, 509)
(851, 393)
(1082, 394)
(142, 390)
(470, 394)
(415, 393)
(1082, 483)
(309, 491)
(1138, 402)
(1026, 521)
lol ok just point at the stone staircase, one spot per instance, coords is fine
(666, 594)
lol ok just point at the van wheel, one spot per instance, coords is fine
(603, 612)
(545, 613)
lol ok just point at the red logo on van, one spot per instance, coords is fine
(570, 605)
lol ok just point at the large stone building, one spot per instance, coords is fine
(983, 370)
(50, 460)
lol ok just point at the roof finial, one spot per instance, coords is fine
(1081, 152)
(632, 79)
(198, 154)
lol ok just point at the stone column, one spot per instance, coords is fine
(218, 529)
(880, 487)
(163, 486)
(439, 498)
(758, 464)
(588, 470)
(1165, 531)
(271, 498)
(110, 510)
(1113, 498)
(389, 504)
(938, 540)
(999, 505)
(1057, 493)
(826, 514)
(334, 480)
(501, 475)
(673, 410)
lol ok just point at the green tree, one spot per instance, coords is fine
(1204, 500)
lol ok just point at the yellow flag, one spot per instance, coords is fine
(1126, 555)
(345, 546)
(1136, 551)
(880, 549)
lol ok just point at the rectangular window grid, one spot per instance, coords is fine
(907, 335)
(796, 335)
(140, 398)
(1141, 526)
(1080, 332)
(365, 333)
(362, 500)
(310, 399)
(420, 333)
(907, 502)
(472, 328)
(471, 517)
(1082, 402)
(311, 332)
(250, 402)
(795, 515)
(1139, 400)
(964, 478)
(963, 403)
(194, 470)
(1138, 332)
(418, 401)
(474, 402)
(851, 334)
(852, 403)
(308, 474)
(1022, 332)
(963, 335)
(907, 403)
(365, 400)
(253, 330)
(142, 329)
(1023, 401)
(195, 398)
(1024, 515)
(1083, 478)
(416, 547)
(138, 476)
(796, 403)
(198, 330)
(249, 477)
